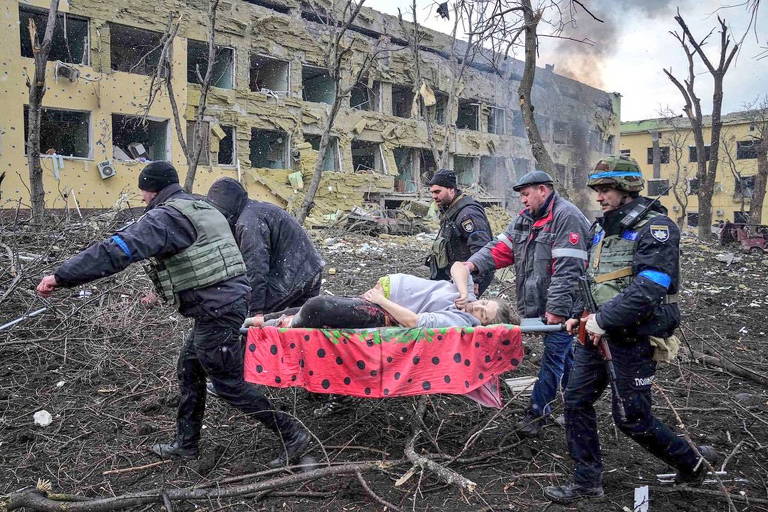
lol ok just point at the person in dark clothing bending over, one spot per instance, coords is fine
(464, 229)
(284, 269)
(196, 265)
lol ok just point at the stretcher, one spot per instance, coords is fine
(388, 362)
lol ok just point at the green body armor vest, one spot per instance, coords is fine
(212, 258)
(610, 261)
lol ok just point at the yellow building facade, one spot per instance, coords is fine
(676, 164)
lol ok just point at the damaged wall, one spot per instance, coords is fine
(294, 41)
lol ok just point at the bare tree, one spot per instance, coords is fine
(163, 78)
(37, 88)
(339, 64)
(706, 174)
(677, 140)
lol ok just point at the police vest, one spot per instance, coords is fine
(445, 248)
(610, 261)
(213, 257)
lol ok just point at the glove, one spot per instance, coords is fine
(592, 326)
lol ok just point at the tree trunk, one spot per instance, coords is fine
(708, 187)
(756, 207)
(197, 138)
(543, 160)
(36, 92)
(317, 174)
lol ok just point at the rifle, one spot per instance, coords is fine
(590, 306)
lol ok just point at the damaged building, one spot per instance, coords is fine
(267, 106)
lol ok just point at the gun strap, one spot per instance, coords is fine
(616, 274)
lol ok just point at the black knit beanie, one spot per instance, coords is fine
(444, 178)
(157, 175)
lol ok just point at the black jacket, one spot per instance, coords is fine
(465, 233)
(161, 231)
(640, 310)
(279, 256)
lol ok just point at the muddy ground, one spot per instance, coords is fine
(103, 365)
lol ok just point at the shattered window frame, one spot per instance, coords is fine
(205, 155)
(373, 95)
(626, 153)
(405, 181)
(148, 60)
(467, 121)
(693, 153)
(379, 163)
(497, 117)
(232, 135)
(304, 90)
(744, 186)
(286, 150)
(746, 149)
(663, 155)
(156, 127)
(202, 46)
(406, 92)
(268, 59)
(335, 154)
(59, 133)
(658, 187)
(462, 180)
(61, 44)
(692, 186)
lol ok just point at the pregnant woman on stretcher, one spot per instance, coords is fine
(398, 300)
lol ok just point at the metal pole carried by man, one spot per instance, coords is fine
(195, 264)
(547, 245)
(464, 229)
(633, 272)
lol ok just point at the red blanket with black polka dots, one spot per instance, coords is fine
(385, 362)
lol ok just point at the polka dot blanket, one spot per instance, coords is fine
(385, 362)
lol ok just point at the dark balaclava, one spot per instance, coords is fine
(157, 175)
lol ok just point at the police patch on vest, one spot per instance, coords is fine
(660, 232)
(468, 225)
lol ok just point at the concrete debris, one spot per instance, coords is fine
(727, 258)
(42, 418)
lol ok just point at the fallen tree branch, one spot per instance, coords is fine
(729, 367)
(35, 499)
(375, 496)
(443, 473)
(135, 468)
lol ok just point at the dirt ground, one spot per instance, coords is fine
(103, 365)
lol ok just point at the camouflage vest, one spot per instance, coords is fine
(212, 258)
(610, 261)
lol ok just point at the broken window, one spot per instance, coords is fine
(466, 169)
(222, 74)
(317, 85)
(402, 101)
(70, 35)
(467, 118)
(331, 159)
(205, 141)
(693, 186)
(366, 156)
(269, 75)
(693, 154)
(746, 149)
(658, 187)
(745, 186)
(626, 153)
(493, 175)
(134, 138)
(692, 219)
(134, 50)
(226, 150)
(406, 169)
(269, 149)
(561, 133)
(428, 165)
(363, 97)
(520, 166)
(518, 127)
(496, 116)
(663, 155)
(63, 132)
(436, 111)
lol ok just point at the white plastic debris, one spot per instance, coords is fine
(641, 499)
(60, 384)
(42, 418)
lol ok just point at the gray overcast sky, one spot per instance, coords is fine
(634, 44)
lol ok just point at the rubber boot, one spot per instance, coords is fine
(294, 439)
(173, 450)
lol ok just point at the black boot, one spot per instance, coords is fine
(571, 492)
(173, 449)
(530, 425)
(696, 476)
(294, 442)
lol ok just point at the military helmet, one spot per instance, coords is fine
(620, 172)
(532, 178)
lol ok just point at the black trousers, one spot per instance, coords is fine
(343, 312)
(299, 296)
(215, 348)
